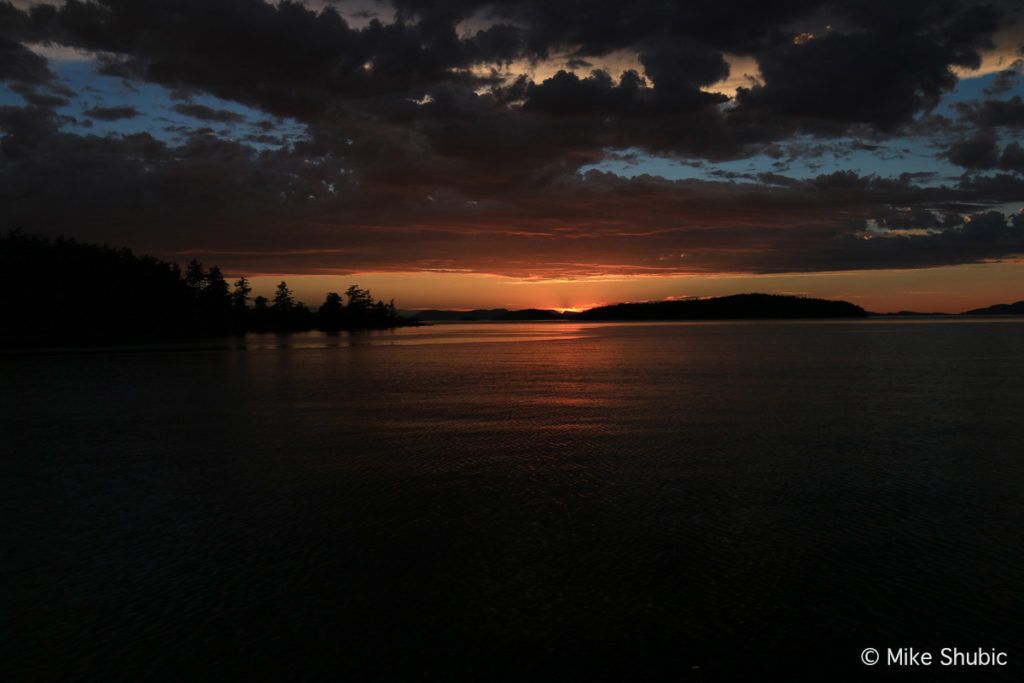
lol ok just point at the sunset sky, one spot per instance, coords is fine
(463, 154)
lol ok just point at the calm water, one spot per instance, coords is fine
(722, 501)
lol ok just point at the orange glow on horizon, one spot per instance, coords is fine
(950, 289)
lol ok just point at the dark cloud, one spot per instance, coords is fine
(983, 152)
(1012, 158)
(45, 100)
(111, 113)
(53, 95)
(204, 113)
(882, 76)
(995, 113)
(683, 65)
(567, 94)
(989, 226)
(677, 72)
(1000, 187)
(1005, 80)
(979, 151)
(14, 23)
(18, 63)
(578, 63)
(499, 43)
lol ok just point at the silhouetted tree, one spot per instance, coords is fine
(331, 315)
(240, 294)
(300, 318)
(195, 277)
(112, 295)
(286, 313)
(216, 300)
(259, 316)
(358, 299)
(283, 298)
(216, 286)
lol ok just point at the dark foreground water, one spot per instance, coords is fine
(737, 501)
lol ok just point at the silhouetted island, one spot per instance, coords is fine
(999, 309)
(735, 307)
(62, 292)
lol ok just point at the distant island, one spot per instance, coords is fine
(735, 307)
(999, 309)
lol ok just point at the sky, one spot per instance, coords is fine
(465, 154)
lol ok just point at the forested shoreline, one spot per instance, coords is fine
(61, 291)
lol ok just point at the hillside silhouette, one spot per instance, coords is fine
(62, 291)
(735, 307)
(999, 309)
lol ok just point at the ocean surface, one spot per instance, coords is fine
(517, 501)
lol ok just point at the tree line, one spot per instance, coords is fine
(61, 290)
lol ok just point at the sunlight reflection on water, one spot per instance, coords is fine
(442, 333)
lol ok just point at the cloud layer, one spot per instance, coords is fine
(429, 146)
